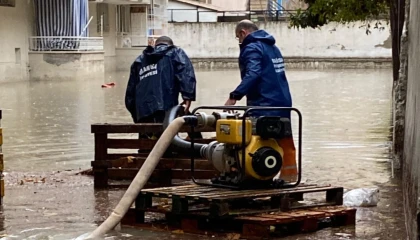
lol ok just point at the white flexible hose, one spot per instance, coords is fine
(140, 180)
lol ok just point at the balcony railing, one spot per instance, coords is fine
(193, 15)
(61, 43)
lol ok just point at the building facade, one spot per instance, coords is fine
(15, 29)
(191, 11)
(50, 39)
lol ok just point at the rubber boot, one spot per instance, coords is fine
(288, 172)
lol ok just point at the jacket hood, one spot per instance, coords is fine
(259, 35)
(157, 52)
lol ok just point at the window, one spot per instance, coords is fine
(102, 17)
(123, 18)
(17, 56)
(157, 17)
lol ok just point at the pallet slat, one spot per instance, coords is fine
(236, 193)
(142, 144)
(114, 156)
(267, 194)
(129, 173)
(138, 128)
(164, 163)
(215, 194)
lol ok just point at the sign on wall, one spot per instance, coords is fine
(7, 3)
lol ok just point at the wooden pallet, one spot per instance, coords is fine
(256, 226)
(215, 202)
(251, 213)
(108, 167)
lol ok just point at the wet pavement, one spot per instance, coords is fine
(47, 140)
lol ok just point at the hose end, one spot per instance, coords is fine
(191, 120)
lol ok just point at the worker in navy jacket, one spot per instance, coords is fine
(264, 84)
(261, 63)
(157, 77)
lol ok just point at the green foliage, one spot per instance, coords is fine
(320, 12)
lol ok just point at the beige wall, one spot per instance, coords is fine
(230, 5)
(15, 29)
(217, 40)
(411, 164)
(65, 65)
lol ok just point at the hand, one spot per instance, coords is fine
(230, 102)
(187, 106)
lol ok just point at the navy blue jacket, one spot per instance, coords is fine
(264, 81)
(157, 77)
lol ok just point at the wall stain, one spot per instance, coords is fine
(387, 43)
(60, 59)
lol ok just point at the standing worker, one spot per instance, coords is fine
(157, 77)
(264, 83)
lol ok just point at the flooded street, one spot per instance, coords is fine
(46, 127)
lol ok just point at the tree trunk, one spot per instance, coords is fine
(397, 11)
(397, 17)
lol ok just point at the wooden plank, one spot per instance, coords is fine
(280, 219)
(288, 217)
(143, 144)
(100, 175)
(196, 195)
(138, 128)
(126, 128)
(141, 204)
(100, 146)
(204, 192)
(183, 194)
(257, 220)
(166, 189)
(177, 155)
(269, 193)
(128, 173)
(131, 162)
(1, 162)
(256, 192)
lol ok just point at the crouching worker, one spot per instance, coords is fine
(157, 77)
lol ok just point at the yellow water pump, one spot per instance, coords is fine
(246, 151)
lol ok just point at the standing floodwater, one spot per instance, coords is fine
(346, 140)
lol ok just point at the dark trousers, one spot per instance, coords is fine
(157, 117)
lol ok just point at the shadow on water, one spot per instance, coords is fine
(347, 122)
